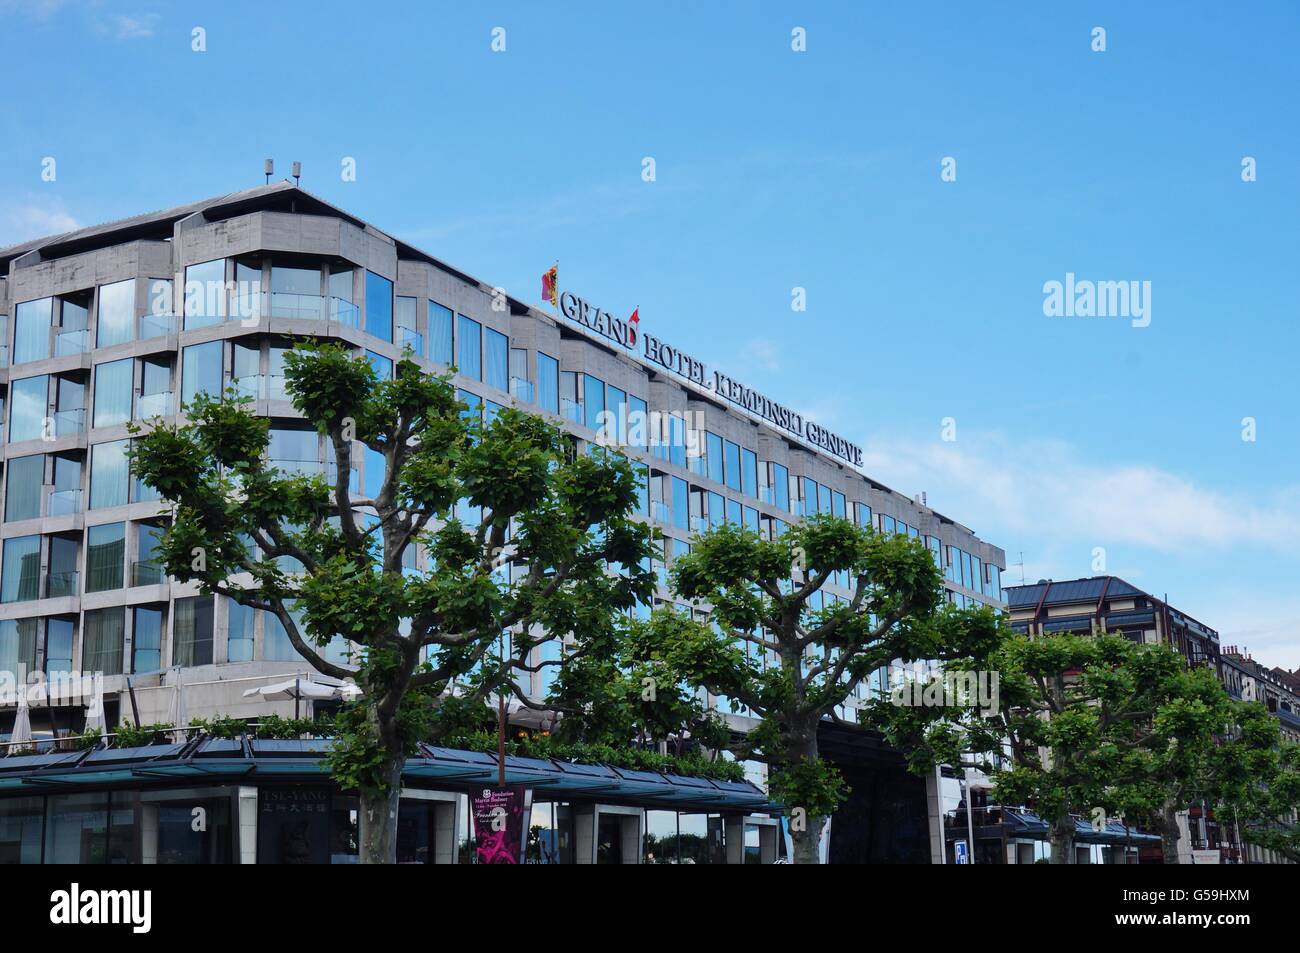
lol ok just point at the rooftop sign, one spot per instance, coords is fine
(625, 334)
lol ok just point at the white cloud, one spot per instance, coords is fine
(1047, 489)
(35, 220)
(762, 353)
(133, 27)
(1047, 498)
(39, 10)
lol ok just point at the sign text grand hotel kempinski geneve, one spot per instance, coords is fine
(624, 333)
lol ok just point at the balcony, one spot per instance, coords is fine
(409, 337)
(147, 573)
(68, 423)
(157, 325)
(251, 386)
(659, 512)
(149, 406)
(288, 304)
(292, 468)
(59, 584)
(251, 307)
(521, 390)
(572, 411)
(345, 312)
(64, 503)
(71, 342)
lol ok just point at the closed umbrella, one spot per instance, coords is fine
(95, 716)
(21, 736)
(178, 717)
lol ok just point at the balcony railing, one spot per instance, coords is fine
(64, 502)
(297, 467)
(71, 342)
(69, 422)
(59, 584)
(252, 306)
(148, 406)
(252, 386)
(146, 573)
(345, 312)
(521, 390)
(409, 337)
(572, 411)
(157, 325)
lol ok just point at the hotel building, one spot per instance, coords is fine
(126, 322)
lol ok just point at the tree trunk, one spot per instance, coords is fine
(378, 822)
(1170, 835)
(1062, 840)
(802, 746)
(807, 843)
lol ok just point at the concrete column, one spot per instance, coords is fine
(934, 810)
(584, 833)
(444, 836)
(632, 832)
(148, 833)
(248, 825)
(733, 837)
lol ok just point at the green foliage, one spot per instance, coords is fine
(137, 736)
(760, 598)
(1086, 722)
(267, 726)
(690, 764)
(330, 564)
(813, 784)
(89, 739)
(629, 685)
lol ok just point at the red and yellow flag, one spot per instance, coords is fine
(551, 285)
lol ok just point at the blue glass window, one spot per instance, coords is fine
(733, 465)
(593, 395)
(713, 456)
(32, 330)
(470, 348)
(440, 334)
(548, 383)
(115, 321)
(379, 306)
(113, 390)
(205, 293)
(28, 408)
(497, 346)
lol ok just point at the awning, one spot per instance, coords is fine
(304, 760)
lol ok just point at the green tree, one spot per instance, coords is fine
(526, 563)
(771, 645)
(1081, 724)
(627, 689)
(1261, 783)
(1197, 756)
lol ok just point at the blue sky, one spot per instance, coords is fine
(818, 169)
